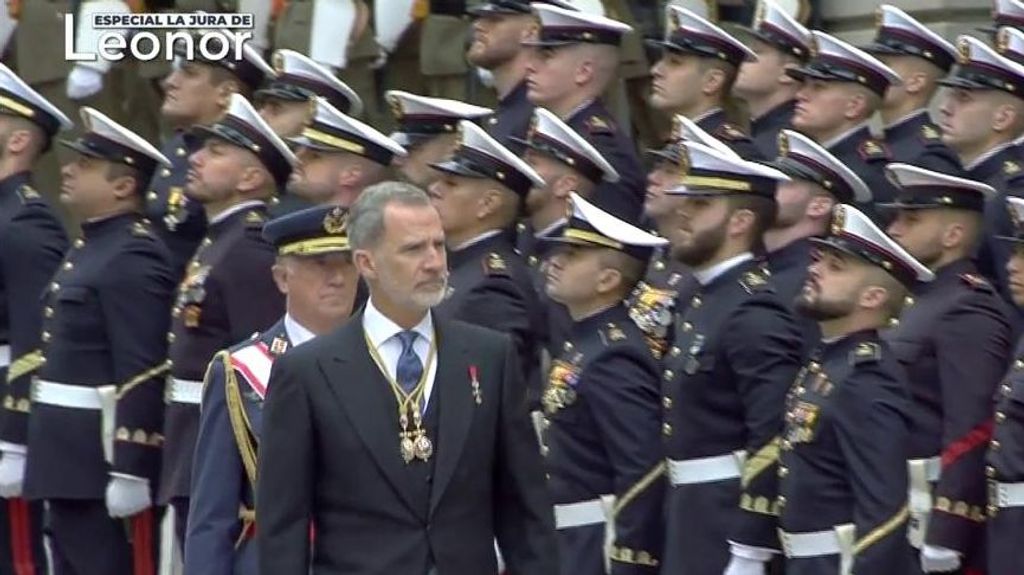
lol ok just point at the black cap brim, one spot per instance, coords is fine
(546, 43)
(81, 149)
(458, 168)
(490, 9)
(804, 73)
(272, 92)
(959, 82)
(879, 48)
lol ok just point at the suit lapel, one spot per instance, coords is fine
(363, 393)
(455, 400)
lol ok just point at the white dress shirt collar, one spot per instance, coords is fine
(297, 333)
(706, 276)
(473, 241)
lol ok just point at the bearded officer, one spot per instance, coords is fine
(842, 471)
(228, 292)
(315, 272)
(32, 244)
(99, 392)
(602, 401)
(735, 351)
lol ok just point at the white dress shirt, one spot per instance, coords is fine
(297, 333)
(383, 336)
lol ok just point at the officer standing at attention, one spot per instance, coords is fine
(338, 157)
(602, 401)
(818, 182)
(314, 271)
(567, 164)
(921, 58)
(982, 116)
(843, 470)
(94, 433)
(842, 88)
(1005, 469)
(428, 129)
(478, 197)
(196, 93)
(32, 244)
(695, 75)
(954, 341)
(228, 292)
(577, 58)
(779, 42)
(735, 351)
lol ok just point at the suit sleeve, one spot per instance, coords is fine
(763, 347)
(498, 304)
(623, 394)
(32, 250)
(218, 479)
(524, 519)
(872, 434)
(135, 310)
(252, 299)
(972, 347)
(284, 492)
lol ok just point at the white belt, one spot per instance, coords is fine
(185, 391)
(5, 355)
(1006, 494)
(836, 541)
(102, 399)
(582, 513)
(921, 473)
(706, 469)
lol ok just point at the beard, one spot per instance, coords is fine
(703, 246)
(810, 304)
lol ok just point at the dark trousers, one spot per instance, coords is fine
(180, 505)
(21, 537)
(87, 541)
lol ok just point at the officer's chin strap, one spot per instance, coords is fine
(846, 534)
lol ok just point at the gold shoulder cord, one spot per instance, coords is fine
(413, 444)
(239, 421)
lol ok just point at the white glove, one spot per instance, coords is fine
(939, 559)
(127, 495)
(12, 469)
(486, 77)
(747, 560)
(84, 82)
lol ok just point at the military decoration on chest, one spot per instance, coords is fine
(192, 290)
(651, 310)
(563, 379)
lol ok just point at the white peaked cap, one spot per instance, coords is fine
(708, 172)
(803, 158)
(18, 99)
(550, 135)
(478, 155)
(334, 131)
(242, 126)
(295, 67)
(560, 26)
(423, 117)
(922, 188)
(589, 225)
(106, 139)
(686, 129)
(685, 31)
(854, 233)
(775, 25)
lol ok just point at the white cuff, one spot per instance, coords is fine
(128, 477)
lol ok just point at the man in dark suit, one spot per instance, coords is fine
(402, 463)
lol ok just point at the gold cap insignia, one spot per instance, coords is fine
(783, 144)
(336, 221)
(673, 17)
(759, 15)
(838, 220)
(963, 49)
(1002, 40)
(879, 17)
(278, 62)
(396, 106)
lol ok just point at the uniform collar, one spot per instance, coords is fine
(223, 216)
(379, 327)
(550, 230)
(599, 320)
(847, 341)
(706, 115)
(949, 271)
(844, 136)
(95, 227)
(705, 277)
(517, 94)
(578, 110)
(296, 332)
(476, 240)
(979, 162)
(783, 111)
(15, 181)
(909, 122)
(471, 249)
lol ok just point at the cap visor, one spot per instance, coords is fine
(307, 143)
(889, 206)
(957, 82)
(804, 73)
(662, 156)
(698, 192)
(81, 149)
(546, 43)
(458, 169)
(491, 10)
(877, 48)
(279, 94)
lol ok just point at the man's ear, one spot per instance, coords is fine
(280, 273)
(873, 297)
(712, 81)
(365, 264)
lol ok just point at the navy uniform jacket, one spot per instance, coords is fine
(867, 156)
(652, 302)
(32, 244)
(556, 323)
(1003, 171)
(953, 341)
(489, 285)
(224, 469)
(511, 118)
(624, 198)
(918, 141)
(765, 130)
(788, 267)
(844, 455)
(105, 323)
(227, 295)
(731, 135)
(603, 403)
(1006, 465)
(734, 354)
(179, 221)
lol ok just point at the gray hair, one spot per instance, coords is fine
(366, 215)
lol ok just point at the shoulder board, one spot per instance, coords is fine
(253, 363)
(1011, 167)
(613, 333)
(754, 280)
(730, 132)
(865, 353)
(931, 134)
(872, 150)
(598, 125)
(142, 230)
(495, 264)
(28, 194)
(255, 219)
(976, 282)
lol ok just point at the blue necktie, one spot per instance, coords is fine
(409, 369)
